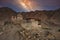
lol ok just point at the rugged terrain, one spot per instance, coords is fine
(34, 25)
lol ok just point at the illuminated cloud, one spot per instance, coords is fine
(26, 5)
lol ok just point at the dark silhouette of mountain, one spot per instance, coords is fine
(38, 15)
(6, 13)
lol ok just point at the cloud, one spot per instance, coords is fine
(37, 4)
(0, 6)
(4, 1)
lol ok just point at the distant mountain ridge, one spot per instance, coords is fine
(38, 15)
(6, 12)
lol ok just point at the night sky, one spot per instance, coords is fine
(35, 4)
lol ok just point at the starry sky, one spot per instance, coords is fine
(35, 4)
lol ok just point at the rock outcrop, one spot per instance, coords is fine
(37, 25)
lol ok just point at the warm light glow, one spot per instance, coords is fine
(23, 5)
(26, 4)
(29, 5)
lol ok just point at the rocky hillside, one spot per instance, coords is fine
(6, 13)
(17, 30)
(40, 14)
(52, 16)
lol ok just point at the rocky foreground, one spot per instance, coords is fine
(12, 31)
(37, 25)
